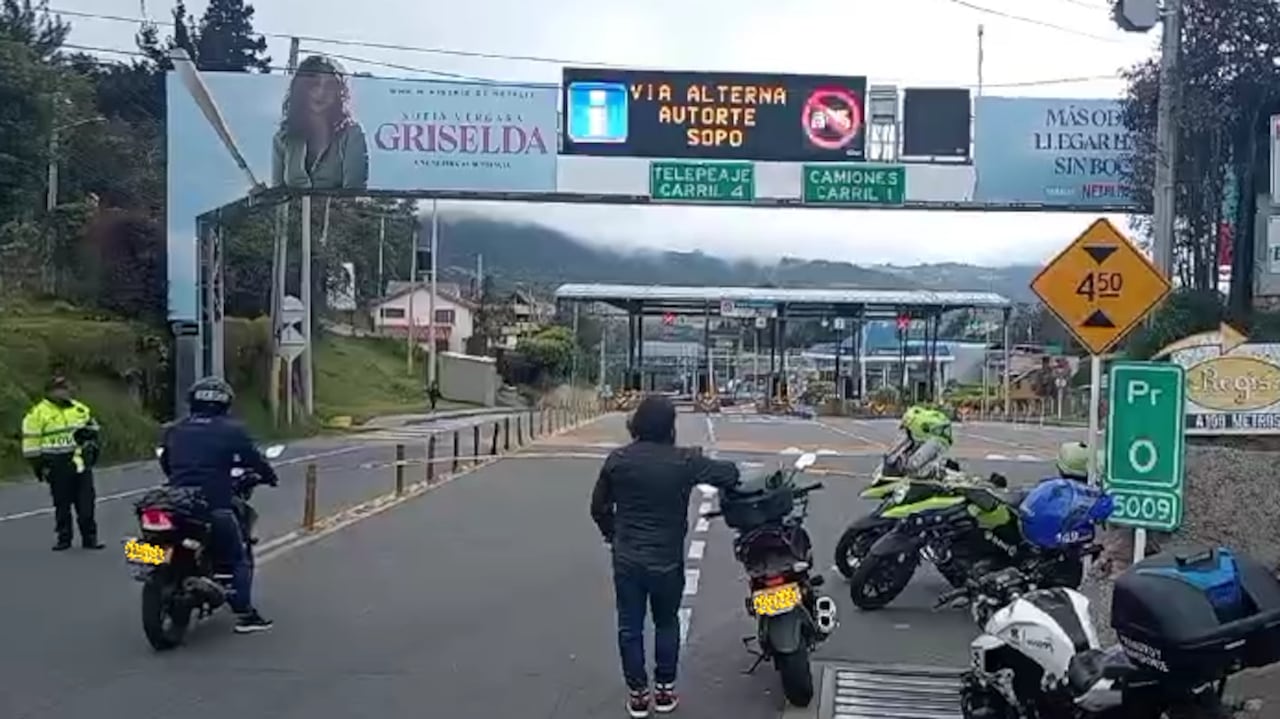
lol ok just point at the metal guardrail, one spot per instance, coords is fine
(489, 441)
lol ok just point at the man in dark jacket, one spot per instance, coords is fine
(641, 505)
(200, 451)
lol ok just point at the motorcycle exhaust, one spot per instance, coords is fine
(825, 614)
(207, 589)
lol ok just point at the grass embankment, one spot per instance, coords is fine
(121, 370)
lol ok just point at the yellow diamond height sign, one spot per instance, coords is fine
(1100, 287)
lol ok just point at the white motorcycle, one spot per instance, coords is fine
(1186, 621)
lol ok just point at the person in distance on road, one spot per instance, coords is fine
(60, 441)
(200, 450)
(641, 505)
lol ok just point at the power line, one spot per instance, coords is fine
(488, 80)
(1034, 21)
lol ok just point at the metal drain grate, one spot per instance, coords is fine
(869, 691)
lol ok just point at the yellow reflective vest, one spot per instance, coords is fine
(49, 431)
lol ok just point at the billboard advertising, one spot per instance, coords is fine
(1056, 152)
(326, 131)
(1234, 393)
(714, 116)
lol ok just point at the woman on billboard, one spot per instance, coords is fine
(319, 146)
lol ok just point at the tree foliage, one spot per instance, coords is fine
(1227, 84)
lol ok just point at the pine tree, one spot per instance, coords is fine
(225, 40)
(30, 23)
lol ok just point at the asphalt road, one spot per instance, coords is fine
(488, 596)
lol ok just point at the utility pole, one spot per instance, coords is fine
(382, 244)
(981, 58)
(1163, 209)
(413, 290)
(431, 299)
(604, 332)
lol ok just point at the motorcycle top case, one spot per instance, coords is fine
(756, 501)
(1198, 613)
(1062, 512)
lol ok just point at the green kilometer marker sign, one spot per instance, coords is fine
(855, 184)
(728, 182)
(1146, 443)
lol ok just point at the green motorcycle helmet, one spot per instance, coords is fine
(1073, 460)
(924, 423)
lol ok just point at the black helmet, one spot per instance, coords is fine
(211, 395)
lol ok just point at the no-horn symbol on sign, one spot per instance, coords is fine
(832, 118)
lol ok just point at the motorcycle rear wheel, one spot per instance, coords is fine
(796, 675)
(887, 575)
(157, 607)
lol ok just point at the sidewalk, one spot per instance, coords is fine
(396, 421)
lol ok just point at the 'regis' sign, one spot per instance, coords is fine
(723, 116)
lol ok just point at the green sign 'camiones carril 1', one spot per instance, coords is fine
(855, 184)
(1146, 430)
(729, 182)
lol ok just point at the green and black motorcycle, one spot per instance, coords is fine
(893, 492)
(964, 530)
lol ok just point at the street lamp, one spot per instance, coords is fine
(51, 196)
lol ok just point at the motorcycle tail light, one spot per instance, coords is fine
(774, 581)
(156, 520)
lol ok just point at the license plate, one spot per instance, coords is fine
(776, 600)
(137, 552)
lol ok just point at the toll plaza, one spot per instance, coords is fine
(767, 312)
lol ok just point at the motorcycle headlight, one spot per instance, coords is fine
(900, 494)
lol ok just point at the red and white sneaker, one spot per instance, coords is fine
(665, 699)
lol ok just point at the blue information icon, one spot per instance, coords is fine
(597, 112)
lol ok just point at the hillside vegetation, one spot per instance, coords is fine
(121, 369)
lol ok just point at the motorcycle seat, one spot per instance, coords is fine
(1092, 665)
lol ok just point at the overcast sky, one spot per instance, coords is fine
(903, 42)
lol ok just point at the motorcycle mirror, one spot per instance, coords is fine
(273, 451)
(806, 460)
(999, 480)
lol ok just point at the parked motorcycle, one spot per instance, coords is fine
(856, 540)
(173, 557)
(1186, 620)
(971, 530)
(768, 512)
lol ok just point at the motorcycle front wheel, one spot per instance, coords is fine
(796, 675)
(853, 546)
(164, 621)
(879, 580)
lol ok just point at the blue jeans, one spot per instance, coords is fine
(229, 549)
(637, 589)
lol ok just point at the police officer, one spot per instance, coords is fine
(200, 451)
(60, 440)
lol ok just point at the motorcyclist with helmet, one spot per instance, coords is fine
(926, 439)
(1073, 461)
(200, 450)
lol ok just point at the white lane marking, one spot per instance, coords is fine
(851, 435)
(993, 440)
(707, 490)
(996, 457)
(1028, 458)
(711, 438)
(696, 549)
(691, 577)
(140, 490)
(702, 525)
(686, 617)
(704, 508)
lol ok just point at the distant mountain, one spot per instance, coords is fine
(543, 258)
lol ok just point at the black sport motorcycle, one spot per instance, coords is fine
(768, 513)
(173, 554)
